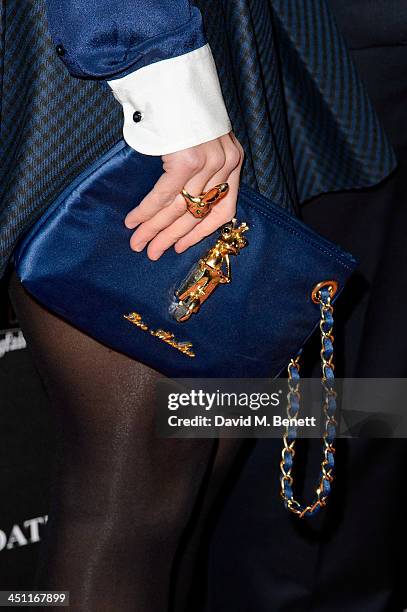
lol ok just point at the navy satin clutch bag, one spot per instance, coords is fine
(241, 303)
(76, 260)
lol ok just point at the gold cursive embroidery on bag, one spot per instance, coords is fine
(136, 319)
(184, 347)
(168, 337)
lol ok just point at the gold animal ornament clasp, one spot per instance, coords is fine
(212, 270)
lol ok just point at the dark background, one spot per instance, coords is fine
(26, 456)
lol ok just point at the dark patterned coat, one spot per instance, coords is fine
(292, 92)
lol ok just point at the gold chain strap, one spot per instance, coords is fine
(323, 298)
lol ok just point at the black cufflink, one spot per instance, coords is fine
(60, 50)
(137, 116)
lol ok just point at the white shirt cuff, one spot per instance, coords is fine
(172, 104)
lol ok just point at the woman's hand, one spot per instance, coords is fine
(162, 219)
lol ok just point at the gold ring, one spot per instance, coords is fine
(200, 206)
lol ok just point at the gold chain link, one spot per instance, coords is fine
(328, 447)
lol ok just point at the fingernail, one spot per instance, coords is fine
(138, 246)
(130, 224)
(155, 256)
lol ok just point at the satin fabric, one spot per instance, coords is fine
(111, 38)
(77, 261)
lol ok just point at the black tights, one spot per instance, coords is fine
(122, 497)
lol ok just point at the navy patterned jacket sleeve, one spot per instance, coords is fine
(110, 38)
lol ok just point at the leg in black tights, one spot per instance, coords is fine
(122, 496)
